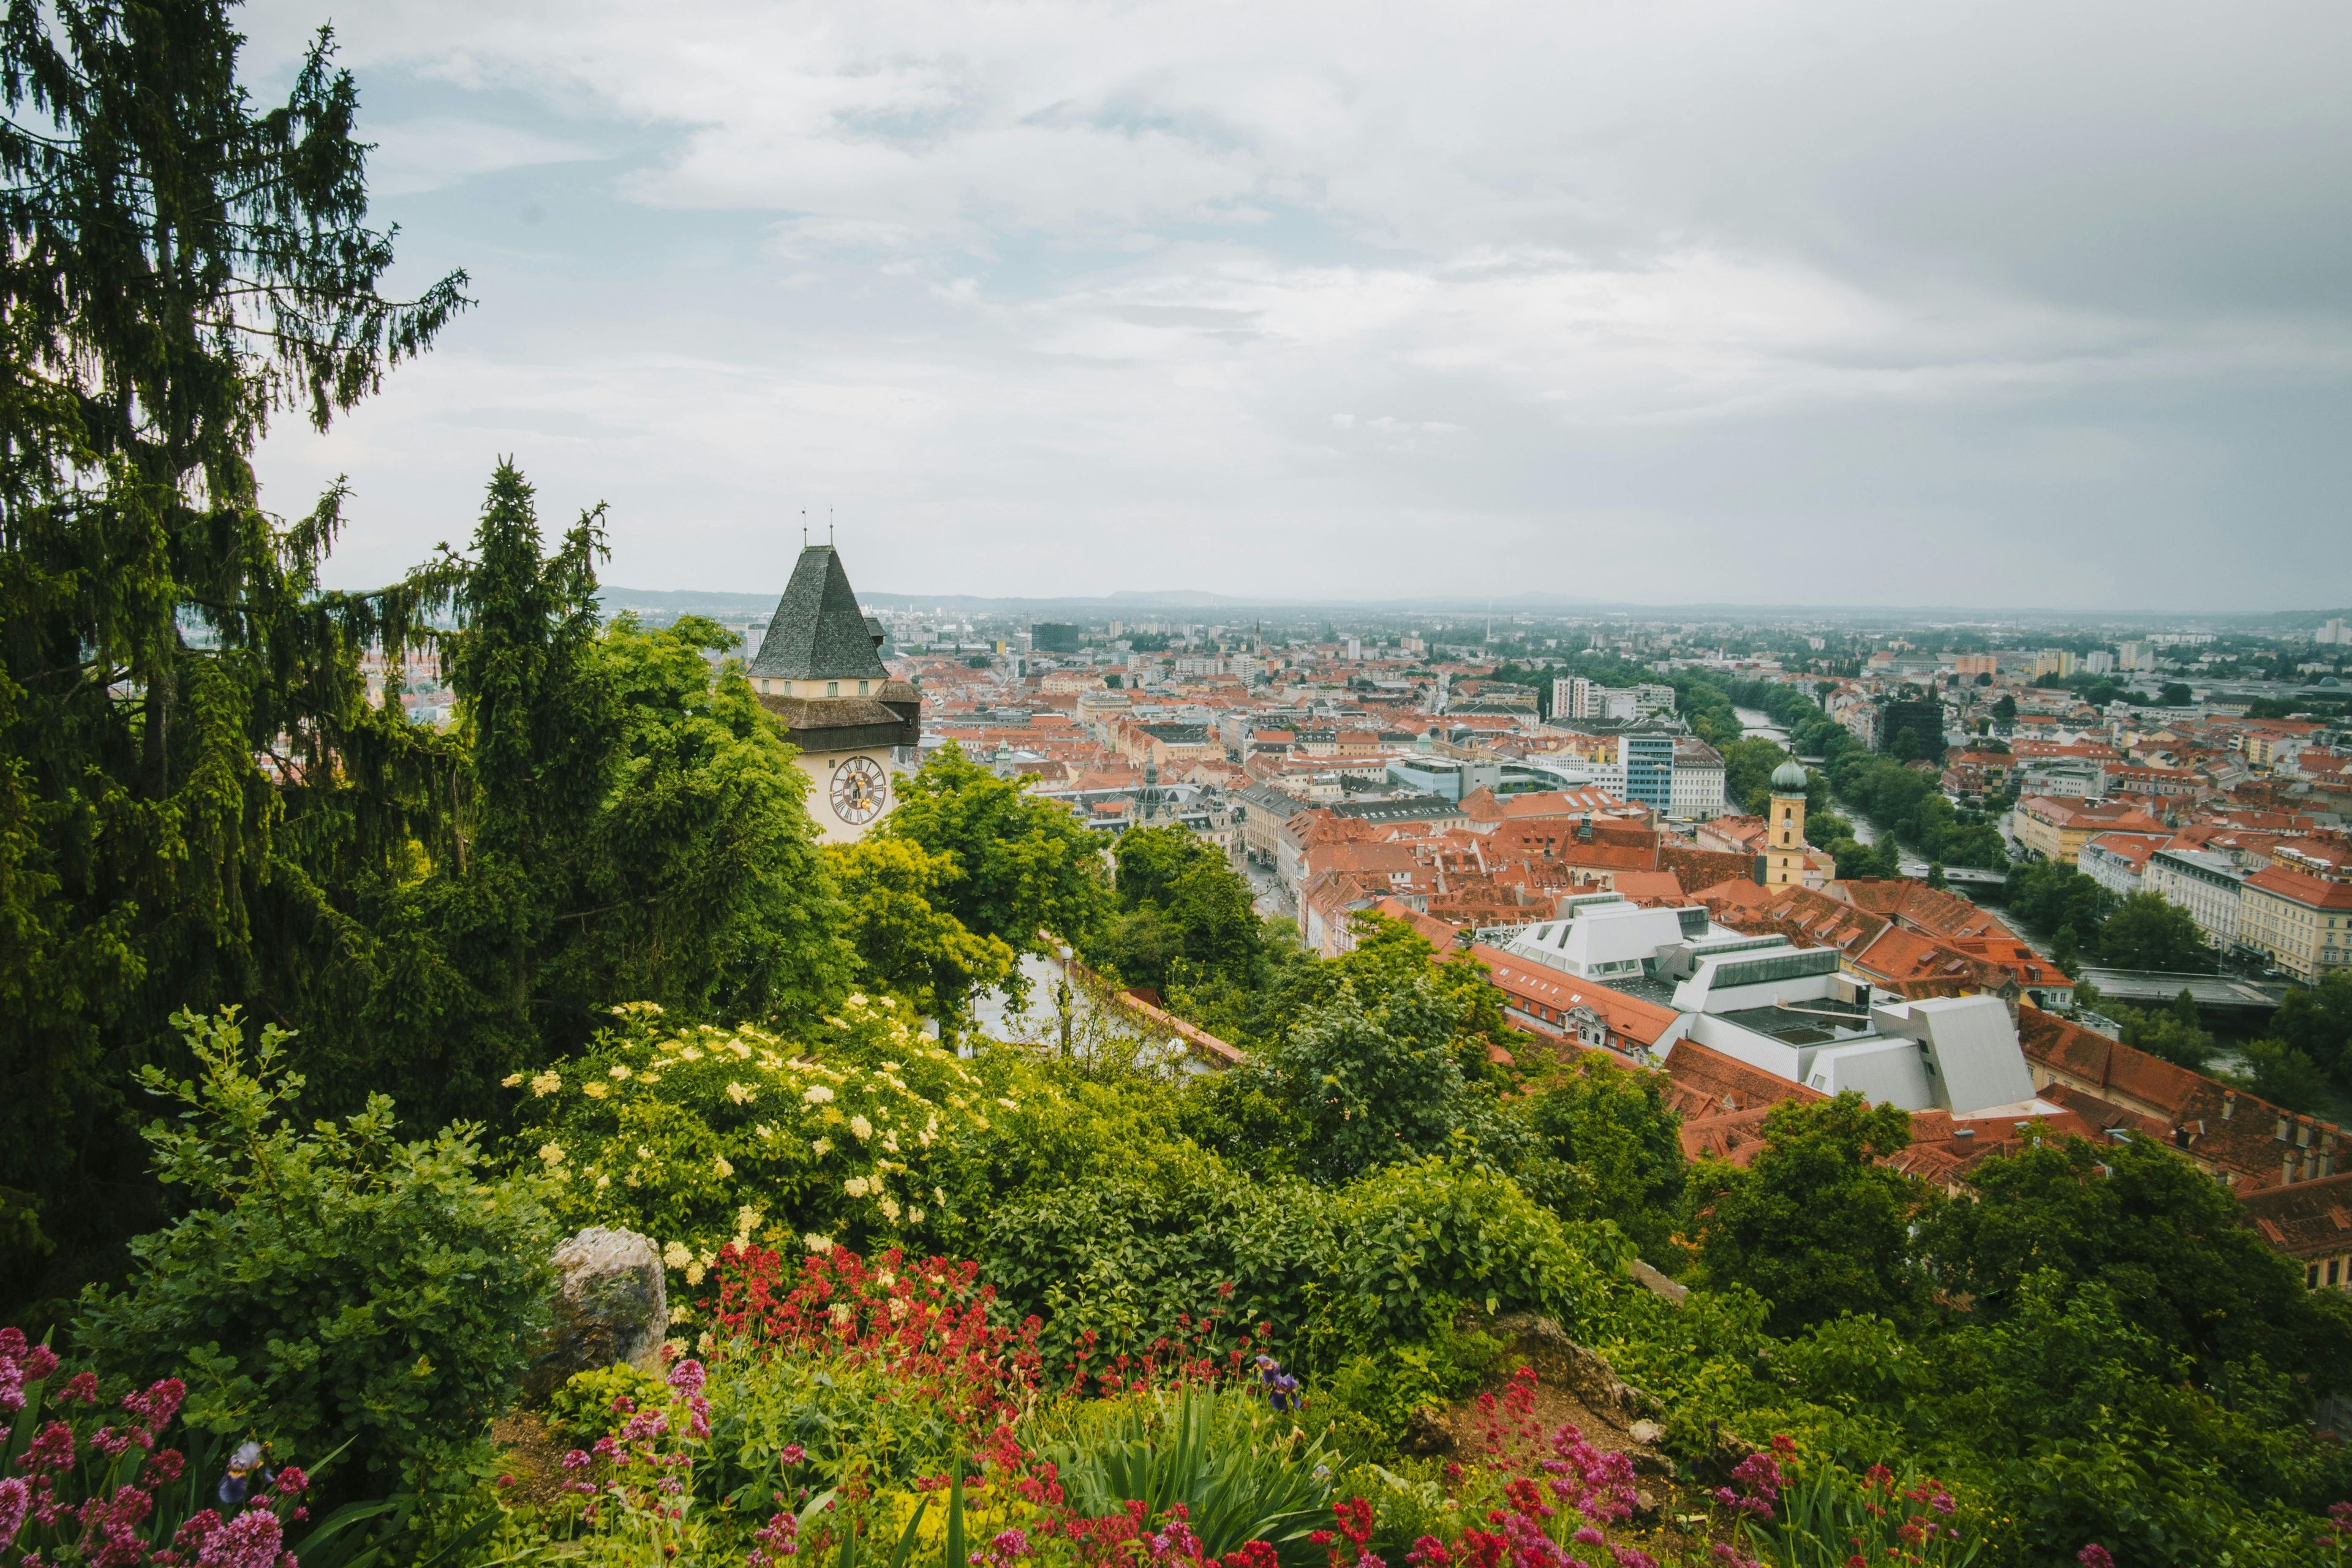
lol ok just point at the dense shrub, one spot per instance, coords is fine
(866, 1133)
(1391, 1256)
(326, 1288)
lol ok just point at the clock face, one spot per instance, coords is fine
(860, 791)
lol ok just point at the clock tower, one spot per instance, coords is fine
(1785, 858)
(819, 669)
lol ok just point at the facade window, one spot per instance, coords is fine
(2333, 1265)
(2311, 1277)
(833, 689)
(861, 689)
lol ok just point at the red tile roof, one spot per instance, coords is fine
(2309, 1219)
(2112, 1084)
(1915, 906)
(1557, 993)
(2302, 887)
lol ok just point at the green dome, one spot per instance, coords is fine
(1790, 778)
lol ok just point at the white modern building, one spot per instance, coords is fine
(1792, 1012)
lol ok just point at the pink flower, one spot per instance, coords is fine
(16, 1502)
(291, 1480)
(156, 1407)
(194, 1528)
(686, 1376)
(81, 1388)
(793, 1454)
(2095, 1556)
(576, 1460)
(52, 1450)
(254, 1538)
(778, 1541)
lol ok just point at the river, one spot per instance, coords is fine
(1754, 724)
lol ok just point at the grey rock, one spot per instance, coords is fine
(1667, 1290)
(1561, 1362)
(611, 1306)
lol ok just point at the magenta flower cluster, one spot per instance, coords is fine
(91, 1480)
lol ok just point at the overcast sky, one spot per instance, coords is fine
(1993, 304)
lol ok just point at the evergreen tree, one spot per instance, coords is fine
(176, 698)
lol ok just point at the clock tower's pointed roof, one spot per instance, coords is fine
(818, 632)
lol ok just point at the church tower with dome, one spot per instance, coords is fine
(820, 670)
(1784, 857)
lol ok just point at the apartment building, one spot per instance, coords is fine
(2206, 883)
(2301, 923)
(2057, 827)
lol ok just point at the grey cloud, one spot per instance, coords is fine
(1803, 302)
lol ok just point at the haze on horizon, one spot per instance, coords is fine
(1821, 304)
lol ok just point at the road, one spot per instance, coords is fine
(1270, 901)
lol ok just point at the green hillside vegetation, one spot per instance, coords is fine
(323, 1028)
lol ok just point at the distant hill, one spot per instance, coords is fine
(686, 601)
(670, 602)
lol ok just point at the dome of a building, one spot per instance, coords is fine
(1790, 778)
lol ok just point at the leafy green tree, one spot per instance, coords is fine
(1143, 947)
(2146, 931)
(2165, 1239)
(2284, 1076)
(181, 264)
(1818, 1226)
(1022, 865)
(702, 883)
(2317, 1021)
(327, 1287)
(2173, 694)
(905, 942)
(2177, 1034)
(1748, 767)
(1190, 904)
(1615, 1126)
(1374, 1077)
(622, 823)
(2048, 895)
(2004, 710)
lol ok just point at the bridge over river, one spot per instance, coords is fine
(2212, 993)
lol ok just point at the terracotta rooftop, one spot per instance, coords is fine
(2309, 1219)
(2222, 1128)
(1944, 1149)
(2302, 887)
(1915, 906)
(1706, 1083)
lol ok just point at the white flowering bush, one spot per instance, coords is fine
(863, 1135)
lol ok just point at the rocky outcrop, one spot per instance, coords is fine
(611, 1306)
(1574, 1385)
(1560, 1361)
